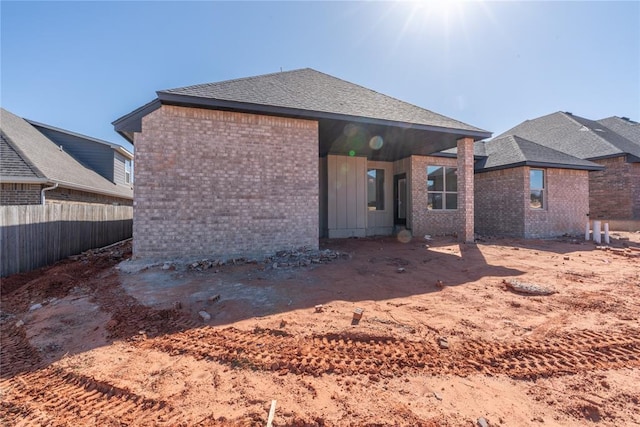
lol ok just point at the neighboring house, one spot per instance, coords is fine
(112, 161)
(524, 189)
(260, 164)
(614, 193)
(36, 170)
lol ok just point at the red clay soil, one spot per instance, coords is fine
(443, 339)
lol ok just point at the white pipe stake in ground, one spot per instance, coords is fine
(272, 413)
(587, 232)
(597, 233)
(606, 233)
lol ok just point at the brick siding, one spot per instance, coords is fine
(216, 183)
(567, 204)
(615, 191)
(20, 194)
(502, 203)
(423, 220)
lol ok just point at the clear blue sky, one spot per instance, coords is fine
(81, 65)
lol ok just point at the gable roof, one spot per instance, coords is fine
(304, 93)
(512, 151)
(48, 163)
(577, 136)
(623, 126)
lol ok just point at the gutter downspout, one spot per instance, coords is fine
(42, 198)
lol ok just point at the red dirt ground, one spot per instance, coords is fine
(441, 342)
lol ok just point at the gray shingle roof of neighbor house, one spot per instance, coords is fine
(12, 164)
(47, 161)
(623, 126)
(511, 151)
(580, 137)
(305, 93)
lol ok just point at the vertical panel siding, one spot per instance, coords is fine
(34, 236)
(346, 194)
(94, 155)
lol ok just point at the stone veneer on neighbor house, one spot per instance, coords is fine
(217, 183)
(502, 203)
(615, 191)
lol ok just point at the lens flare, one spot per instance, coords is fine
(404, 236)
(376, 142)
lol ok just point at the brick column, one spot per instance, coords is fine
(465, 189)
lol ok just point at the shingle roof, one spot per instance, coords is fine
(312, 91)
(48, 161)
(12, 164)
(511, 151)
(571, 134)
(627, 128)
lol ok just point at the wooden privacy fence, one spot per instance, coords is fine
(34, 235)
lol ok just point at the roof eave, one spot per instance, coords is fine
(541, 165)
(195, 101)
(4, 179)
(130, 123)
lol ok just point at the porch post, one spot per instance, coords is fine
(465, 189)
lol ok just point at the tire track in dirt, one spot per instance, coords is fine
(16, 353)
(274, 350)
(53, 394)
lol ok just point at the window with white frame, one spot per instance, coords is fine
(442, 188)
(127, 171)
(536, 186)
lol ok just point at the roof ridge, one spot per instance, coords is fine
(388, 96)
(23, 156)
(239, 79)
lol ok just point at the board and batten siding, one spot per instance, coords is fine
(32, 236)
(346, 196)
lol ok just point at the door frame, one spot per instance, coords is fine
(396, 179)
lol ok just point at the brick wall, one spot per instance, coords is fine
(567, 204)
(215, 183)
(20, 194)
(615, 191)
(425, 221)
(500, 201)
(66, 195)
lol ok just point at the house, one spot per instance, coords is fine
(614, 192)
(36, 170)
(112, 161)
(260, 164)
(524, 189)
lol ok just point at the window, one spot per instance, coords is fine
(127, 171)
(536, 185)
(375, 189)
(442, 187)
